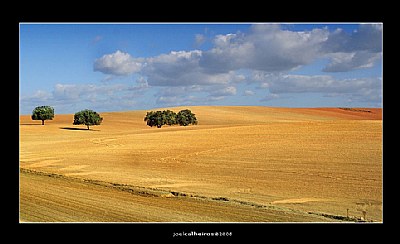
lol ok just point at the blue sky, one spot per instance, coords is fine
(131, 66)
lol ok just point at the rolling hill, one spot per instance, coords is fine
(239, 164)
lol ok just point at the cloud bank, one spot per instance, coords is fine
(266, 57)
(269, 53)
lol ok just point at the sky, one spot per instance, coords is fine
(143, 66)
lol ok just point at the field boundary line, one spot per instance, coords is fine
(155, 192)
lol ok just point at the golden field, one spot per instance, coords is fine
(239, 164)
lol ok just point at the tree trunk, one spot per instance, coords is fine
(42, 121)
(88, 127)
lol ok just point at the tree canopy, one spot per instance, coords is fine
(87, 117)
(43, 113)
(186, 117)
(168, 117)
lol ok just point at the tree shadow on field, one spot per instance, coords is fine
(29, 124)
(74, 128)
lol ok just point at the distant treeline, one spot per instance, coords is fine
(89, 117)
(357, 110)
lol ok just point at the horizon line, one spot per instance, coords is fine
(155, 108)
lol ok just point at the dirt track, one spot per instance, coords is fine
(286, 161)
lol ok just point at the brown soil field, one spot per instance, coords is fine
(239, 164)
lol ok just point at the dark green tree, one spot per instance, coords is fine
(186, 117)
(149, 118)
(157, 118)
(168, 117)
(43, 113)
(87, 117)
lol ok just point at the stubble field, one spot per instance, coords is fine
(239, 164)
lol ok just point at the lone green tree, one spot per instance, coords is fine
(87, 117)
(43, 113)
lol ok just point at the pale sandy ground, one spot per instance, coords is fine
(322, 160)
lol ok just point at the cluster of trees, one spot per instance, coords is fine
(85, 117)
(167, 117)
(89, 117)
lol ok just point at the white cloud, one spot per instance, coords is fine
(41, 95)
(182, 69)
(176, 95)
(320, 83)
(71, 93)
(222, 41)
(342, 62)
(118, 63)
(269, 97)
(224, 91)
(357, 50)
(263, 56)
(67, 92)
(359, 89)
(71, 97)
(271, 49)
(248, 93)
(367, 38)
(177, 100)
(195, 94)
(265, 48)
(142, 83)
(173, 69)
(199, 39)
(28, 102)
(264, 85)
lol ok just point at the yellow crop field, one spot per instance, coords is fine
(239, 164)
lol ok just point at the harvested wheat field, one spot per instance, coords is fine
(239, 164)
